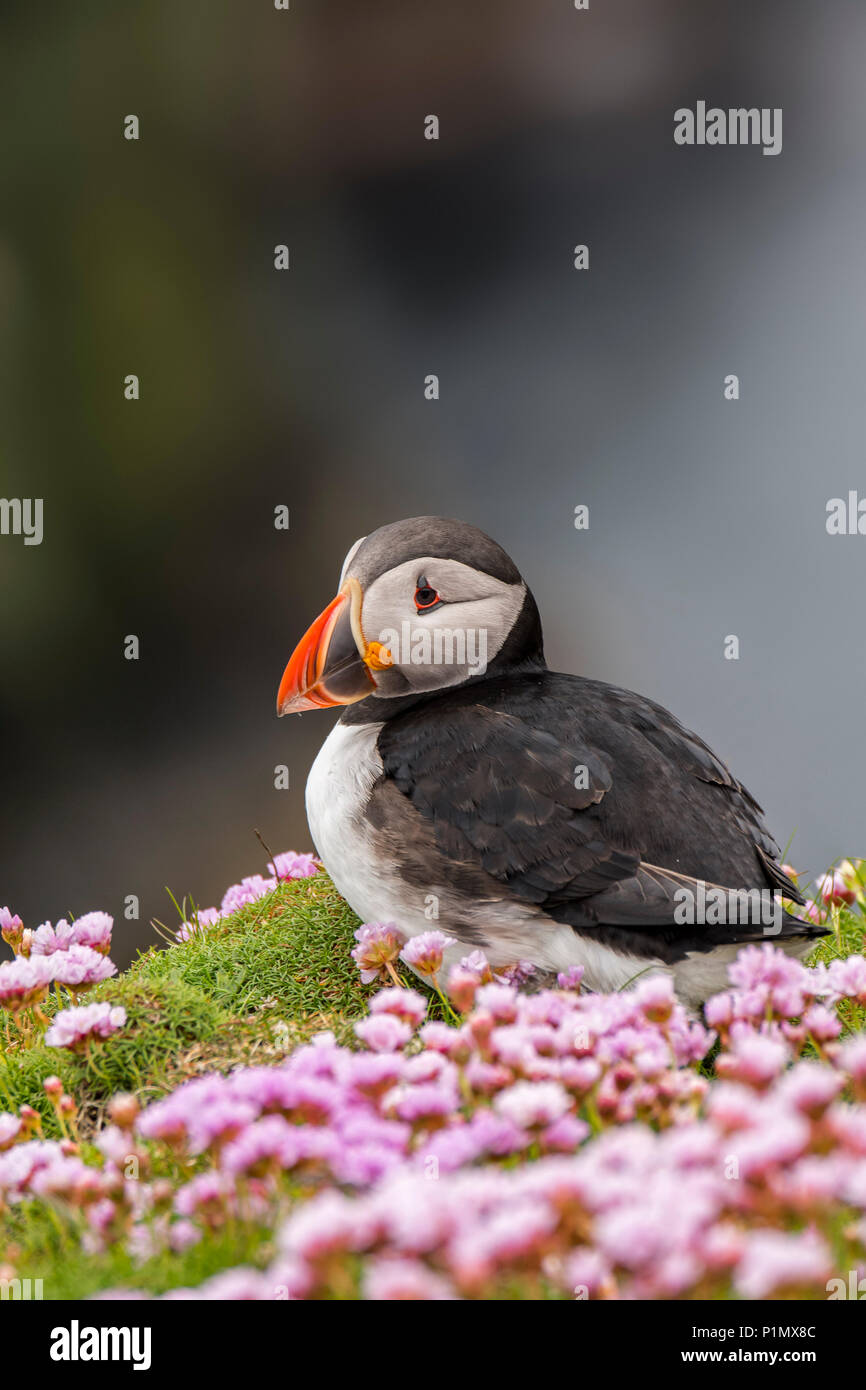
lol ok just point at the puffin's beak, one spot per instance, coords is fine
(331, 663)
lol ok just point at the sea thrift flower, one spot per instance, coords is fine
(24, 982)
(424, 952)
(655, 997)
(249, 890)
(93, 930)
(74, 1028)
(123, 1110)
(531, 1103)
(290, 865)
(570, 979)
(383, 1032)
(776, 1261)
(478, 963)
(462, 987)
(755, 1059)
(836, 888)
(393, 1280)
(519, 974)
(11, 928)
(79, 967)
(10, 1129)
(407, 1004)
(203, 918)
(378, 947)
(847, 978)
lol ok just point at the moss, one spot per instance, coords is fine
(288, 951)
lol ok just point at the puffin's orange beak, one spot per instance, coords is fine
(331, 663)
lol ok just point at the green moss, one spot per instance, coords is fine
(289, 951)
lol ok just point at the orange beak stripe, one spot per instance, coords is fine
(327, 668)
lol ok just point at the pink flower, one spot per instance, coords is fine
(74, 1028)
(291, 865)
(719, 1010)
(765, 965)
(407, 1004)
(79, 967)
(11, 928)
(249, 890)
(378, 946)
(383, 1032)
(822, 1023)
(500, 1000)
(530, 1103)
(24, 982)
(519, 974)
(754, 1058)
(478, 963)
(847, 978)
(10, 1128)
(835, 888)
(92, 930)
(462, 987)
(570, 979)
(811, 1087)
(424, 953)
(775, 1261)
(395, 1280)
(205, 917)
(655, 997)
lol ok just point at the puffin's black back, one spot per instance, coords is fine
(492, 767)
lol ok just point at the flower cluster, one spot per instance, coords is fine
(76, 1028)
(71, 956)
(551, 1144)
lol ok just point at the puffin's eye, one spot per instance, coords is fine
(426, 598)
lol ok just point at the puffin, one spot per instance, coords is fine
(544, 819)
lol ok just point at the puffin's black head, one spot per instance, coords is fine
(423, 604)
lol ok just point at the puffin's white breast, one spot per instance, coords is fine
(338, 789)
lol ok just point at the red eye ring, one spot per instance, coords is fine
(426, 597)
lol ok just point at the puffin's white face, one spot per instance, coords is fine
(425, 624)
(437, 622)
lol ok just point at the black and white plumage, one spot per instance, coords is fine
(534, 815)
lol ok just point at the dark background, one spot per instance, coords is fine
(306, 388)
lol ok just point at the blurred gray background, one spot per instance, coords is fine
(306, 388)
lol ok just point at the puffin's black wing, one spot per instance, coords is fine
(531, 794)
